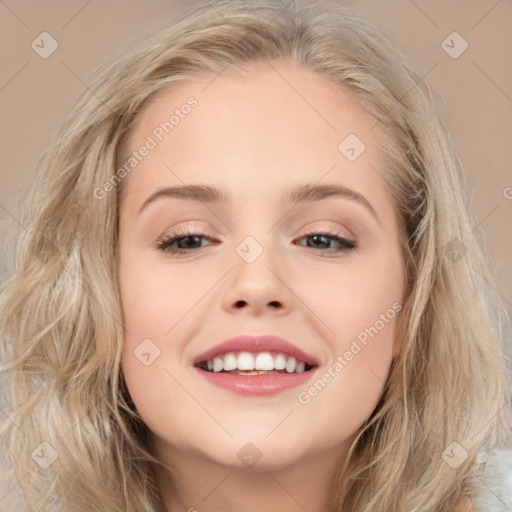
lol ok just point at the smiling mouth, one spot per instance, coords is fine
(261, 363)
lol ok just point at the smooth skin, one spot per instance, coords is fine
(256, 134)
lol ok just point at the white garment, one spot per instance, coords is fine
(495, 476)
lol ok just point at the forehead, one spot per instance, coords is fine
(252, 130)
(269, 94)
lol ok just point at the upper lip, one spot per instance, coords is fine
(258, 343)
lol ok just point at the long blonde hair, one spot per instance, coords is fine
(61, 319)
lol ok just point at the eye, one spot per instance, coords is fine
(320, 239)
(181, 242)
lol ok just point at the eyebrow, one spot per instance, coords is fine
(309, 192)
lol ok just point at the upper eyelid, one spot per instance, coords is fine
(183, 232)
(195, 229)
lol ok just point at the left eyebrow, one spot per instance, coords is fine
(309, 192)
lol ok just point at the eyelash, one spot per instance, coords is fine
(164, 244)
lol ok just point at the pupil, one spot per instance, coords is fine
(317, 238)
(189, 239)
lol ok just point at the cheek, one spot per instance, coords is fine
(345, 392)
(155, 299)
(359, 310)
(160, 309)
(360, 299)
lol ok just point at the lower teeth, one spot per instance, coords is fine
(254, 372)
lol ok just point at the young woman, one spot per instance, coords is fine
(249, 280)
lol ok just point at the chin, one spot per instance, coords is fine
(250, 458)
(258, 453)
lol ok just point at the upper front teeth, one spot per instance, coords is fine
(259, 361)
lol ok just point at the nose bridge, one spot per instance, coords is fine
(257, 233)
(255, 256)
(255, 279)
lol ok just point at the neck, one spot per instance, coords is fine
(194, 483)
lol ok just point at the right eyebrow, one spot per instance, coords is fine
(203, 193)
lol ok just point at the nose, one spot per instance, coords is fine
(258, 287)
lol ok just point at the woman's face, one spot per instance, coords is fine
(262, 260)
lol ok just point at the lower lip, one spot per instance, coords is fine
(256, 385)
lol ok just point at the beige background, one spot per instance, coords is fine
(473, 92)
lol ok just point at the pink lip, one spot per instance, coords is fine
(257, 344)
(256, 385)
(264, 384)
